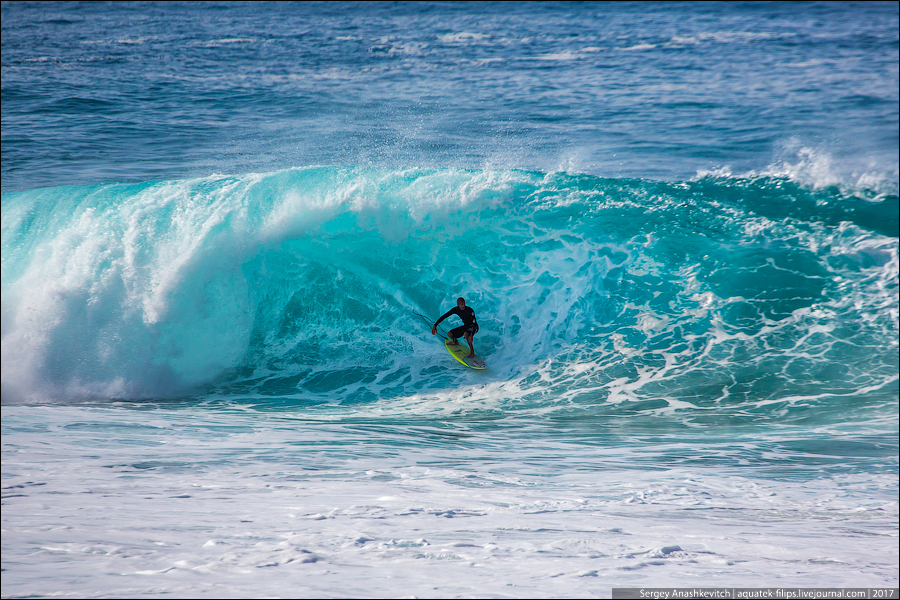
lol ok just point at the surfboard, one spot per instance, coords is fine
(460, 351)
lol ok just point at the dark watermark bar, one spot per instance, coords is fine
(755, 593)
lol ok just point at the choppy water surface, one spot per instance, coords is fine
(677, 223)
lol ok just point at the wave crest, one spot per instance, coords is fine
(711, 300)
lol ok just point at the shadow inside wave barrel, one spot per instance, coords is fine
(704, 303)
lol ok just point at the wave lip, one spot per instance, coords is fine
(817, 169)
(705, 302)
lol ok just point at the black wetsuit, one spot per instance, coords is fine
(470, 325)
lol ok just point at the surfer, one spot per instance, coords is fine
(467, 330)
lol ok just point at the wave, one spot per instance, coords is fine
(717, 300)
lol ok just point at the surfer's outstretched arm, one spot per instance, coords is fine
(444, 316)
(468, 318)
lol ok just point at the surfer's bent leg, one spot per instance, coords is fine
(455, 334)
(470, 334)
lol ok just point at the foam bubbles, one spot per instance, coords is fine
(713, 301)
(818, 169)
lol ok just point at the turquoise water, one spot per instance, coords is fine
(734, 300)
(677, 224)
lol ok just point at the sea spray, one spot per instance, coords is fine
(726, 299)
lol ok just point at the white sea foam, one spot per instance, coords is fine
(215, 385)
(818, 169)
(463, 37)
(228, 505)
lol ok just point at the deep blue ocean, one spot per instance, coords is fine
(676, 222)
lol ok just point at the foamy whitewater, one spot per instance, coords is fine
(677, 224)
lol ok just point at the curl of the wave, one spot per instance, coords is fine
(704, 301)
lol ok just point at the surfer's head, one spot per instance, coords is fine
(461, 303)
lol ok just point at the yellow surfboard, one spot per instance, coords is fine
(461, 351)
